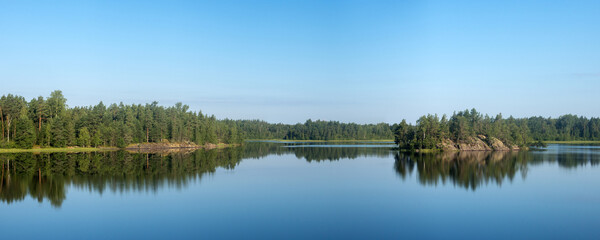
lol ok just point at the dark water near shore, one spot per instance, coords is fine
(264, 190)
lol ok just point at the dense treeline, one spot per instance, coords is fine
(315, 130)
(564, 128)
(430, 130)
(49, 122)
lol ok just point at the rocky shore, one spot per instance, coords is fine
(479, 143)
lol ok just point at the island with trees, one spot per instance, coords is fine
(469, 130)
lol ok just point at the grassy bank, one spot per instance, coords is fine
(428, 150)
(51, 150)
(98, 149)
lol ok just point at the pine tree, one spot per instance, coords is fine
(84, 138)
(25, 137)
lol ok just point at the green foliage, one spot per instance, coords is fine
(430, 131)
(538, 143)
(54, 124)
(513, 131)
(57, 103)
(26, 136)
(84, 138)
(314, 130)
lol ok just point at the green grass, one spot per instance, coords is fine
(51, 150)
(353, 140)
(572, 142)
(82, 149)
(225, 145)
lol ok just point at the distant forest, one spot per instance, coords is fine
(431, 129)
(48, 122)
(315, 130)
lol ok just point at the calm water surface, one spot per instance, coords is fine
(298, 190)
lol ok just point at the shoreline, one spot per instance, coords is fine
(110, 149)
(573, 142)
(288, 141)
(53, 149)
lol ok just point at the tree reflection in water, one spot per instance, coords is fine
(46, 176)
(465, 169)
(472, 169)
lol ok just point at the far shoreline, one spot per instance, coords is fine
(317, 141)
(572, 142)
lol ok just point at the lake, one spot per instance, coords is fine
(296, 190)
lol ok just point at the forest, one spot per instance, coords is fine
(49, 122)
(315, 130)
(430, 130)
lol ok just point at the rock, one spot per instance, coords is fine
(479, 143)
(447, 145)
(498, 145)
(473, 144)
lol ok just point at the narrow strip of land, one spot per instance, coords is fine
(51, 150)
(317, 141)
(572, 142)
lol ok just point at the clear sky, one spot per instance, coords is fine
(287, 61)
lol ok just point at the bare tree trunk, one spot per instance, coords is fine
(147, 140)
(8, 121)
(422, 142)
(2, 118)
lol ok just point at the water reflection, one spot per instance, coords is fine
(472, 169)
(464, 169)
(46, 176)
(317, 151)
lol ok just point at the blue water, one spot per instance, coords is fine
(267, 190)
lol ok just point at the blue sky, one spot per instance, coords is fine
(287, 61)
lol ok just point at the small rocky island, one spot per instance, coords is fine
(466, 130)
